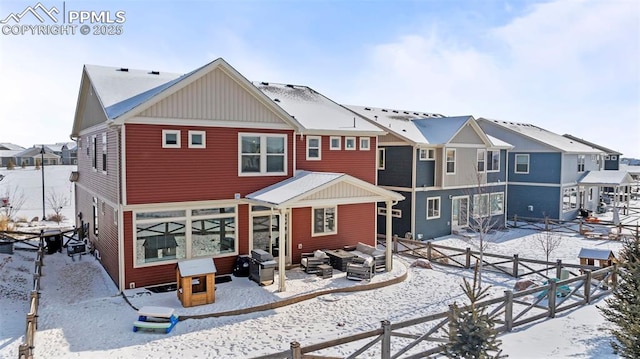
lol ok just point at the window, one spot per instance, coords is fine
(614, 157)
(493, 161)
(197, 139)
(88, 147)
(104, 153)
(115, 216)
(481, 157)
(569, 198)
(451, 161)
(433, 207)
(95, 216)
(365, 143)
(336, 143)
(262, 154)
(607, 157)
(427, 154)
(522, 163)
(581, 159)
(396, 213)
(497, 203)
(314, 147)
(350, 143)
(170, 139)
(481, 205)
(94, 153)
(381, 158)
(590, 194)
(324, 221)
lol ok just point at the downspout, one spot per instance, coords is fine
(506, 187)
(388, 240)
(120, 143)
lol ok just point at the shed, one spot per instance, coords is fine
(196, 282)
(588, 256)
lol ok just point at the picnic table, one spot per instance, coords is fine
(152, 317)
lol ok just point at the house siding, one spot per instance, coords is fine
(195, 174)
(357, 163)
(467, 135)
(401, 225)
(425, 171)
(544, 167)
(465, 170)
(545, 201)
(612, 165)
(398, 167)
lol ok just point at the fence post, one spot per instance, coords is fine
(546, 223)
(395, 243)
(429, 250)
(516, 263)
(551, 298)
(559, 268)
(587, 287)
(508, 310)
(296, 352)
(36, 281)
(515, 221)
(453, 318)
(386, 340)
(467, 264)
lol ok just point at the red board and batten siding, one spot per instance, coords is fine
(356, 223)
(357, 163)
(159, 175)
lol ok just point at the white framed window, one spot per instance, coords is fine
(170, 138)
(94, 153)
(433, 207)
(614, 157)
(350, 143)
(493, 160)
(481, 205)
(88, 146)
(396, 213)
(95, 216)
(314, 148)
(581, 160)
(197, 139)
(324, 221)
(335, 143)
(104, 153)
(481, 156)
(607, 157)
(381, 158)
(365, 143)
(427, 154)
(450, 161)
(522, 163)
(569, 198)
(497, 203)
(262, 154)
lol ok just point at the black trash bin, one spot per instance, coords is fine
(53, 239)
(241, 268)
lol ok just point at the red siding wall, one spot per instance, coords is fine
(157, 175)
(357, 163)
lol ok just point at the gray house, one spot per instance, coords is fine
(8, 153)
(545, 170)
(31, 156)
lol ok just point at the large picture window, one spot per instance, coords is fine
(262, 154)
(497, 203)
(481, 205)
(324, 221)
(522, 163)
(433, 207)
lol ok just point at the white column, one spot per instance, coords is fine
(389, 245)
(281, 250)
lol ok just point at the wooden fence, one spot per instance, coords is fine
(424, 336)
(627, 227)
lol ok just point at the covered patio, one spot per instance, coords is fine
(613, 186)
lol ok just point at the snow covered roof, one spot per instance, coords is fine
(544, 136)
(591, 144)
(440, 130)
(607, 178)
(315, 111)
(10, 147)
(194, 267)
(396, 121)
(600, 254)
(499, 143)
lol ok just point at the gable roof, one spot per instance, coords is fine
(540, 135)
(591, 144)
(600, 254)
(6, 146)
(315, 112)
(294, 191)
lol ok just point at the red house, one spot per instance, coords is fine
(207, 164)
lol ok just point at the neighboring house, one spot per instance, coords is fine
(452, 175)
(32, 156)
(8, 153)
(611, 158)
(544, 171)
(66, 150)
(173, 167)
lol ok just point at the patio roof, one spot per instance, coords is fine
(607, 178)
(307, 189)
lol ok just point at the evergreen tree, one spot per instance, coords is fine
(10, 165)
(624, 306)
(471, 330)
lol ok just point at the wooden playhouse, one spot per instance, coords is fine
(196, 282)
(589, 256)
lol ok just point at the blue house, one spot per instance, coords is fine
(611, 157)
(452, 175)
(544, 171)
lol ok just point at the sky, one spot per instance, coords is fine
(566, 66)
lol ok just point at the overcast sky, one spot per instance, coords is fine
(567, 66)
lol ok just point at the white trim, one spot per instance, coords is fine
(535, 184)
(381, 156)
(331, 146)
(426, 154)
(446, 161)
(490, 160)
(439, 207)
(395, 213)
(204, 139)
(123, 164)
(164, 138)
(208, 123)
(103, 157)
(319, 148)
(335, 220)
(263, 154)
(482, 160)
(495, 194)
(515, 162)
(346, 143)
(366, 140)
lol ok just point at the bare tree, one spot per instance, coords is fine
(12, 200)
(56, 202)
(548, 241)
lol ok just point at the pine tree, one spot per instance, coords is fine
(624, 306)
(471, 330)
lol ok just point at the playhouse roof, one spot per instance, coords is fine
(194, 267)
(601, 254)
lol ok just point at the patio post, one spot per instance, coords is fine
(389, 244)
(282, 250)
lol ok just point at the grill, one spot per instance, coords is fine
(261, 267)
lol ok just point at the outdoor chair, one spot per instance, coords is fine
(311, 261)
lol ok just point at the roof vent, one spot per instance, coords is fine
(406, 113)
(264, 83)
(395, 111)
(383, 110)
(123, 69)
(276, 100)
(155, 72)
(376, 117)
(289, 86)
(367, 109)
(416, 113)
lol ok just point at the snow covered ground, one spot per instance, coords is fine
(82, 315)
